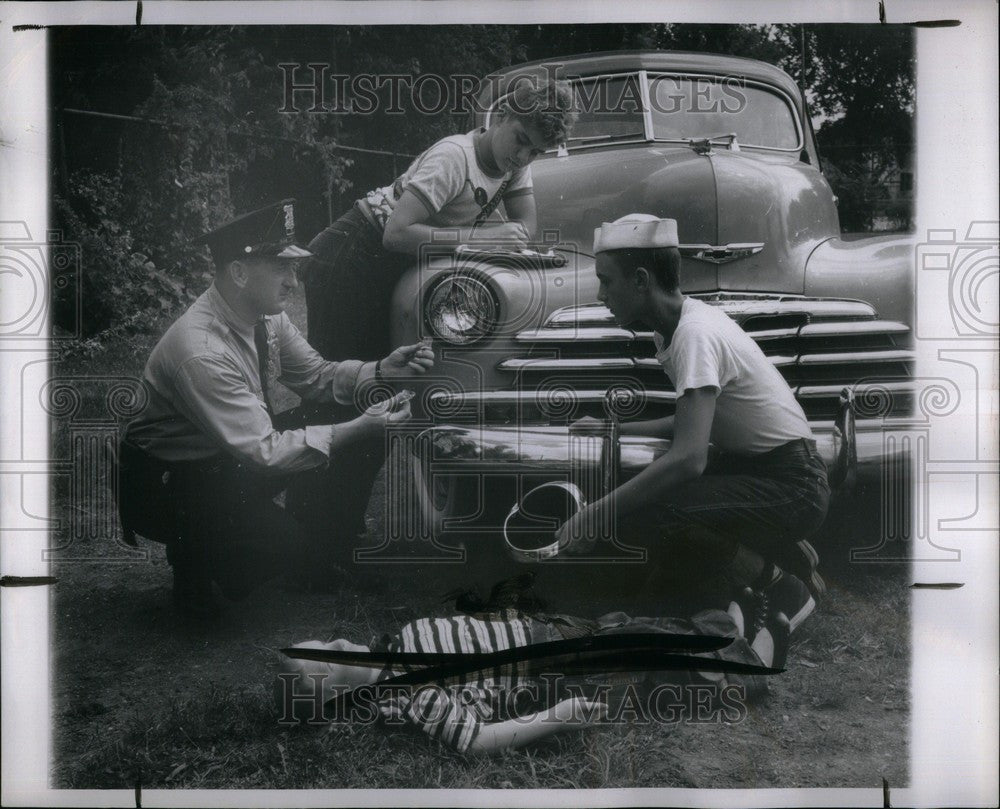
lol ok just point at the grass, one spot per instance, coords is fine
(141, 697)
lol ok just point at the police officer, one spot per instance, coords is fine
(201, 465)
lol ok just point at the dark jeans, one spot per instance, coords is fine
(715, 532)
(548, 628)
(349, 282)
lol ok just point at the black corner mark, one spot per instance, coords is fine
(26, 581)
(138, 12)
(919, 23)
(931, 585)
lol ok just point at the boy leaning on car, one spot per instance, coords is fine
(476, 184)
(737, 522)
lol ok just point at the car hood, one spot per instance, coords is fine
(718, 199)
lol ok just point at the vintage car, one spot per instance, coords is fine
(723, 145)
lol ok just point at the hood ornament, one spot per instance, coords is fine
(721, 254)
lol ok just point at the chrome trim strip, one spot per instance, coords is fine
(738, 309)
(647, 107)
(741, 307)
(536, 398)
(581, 364)
(606, 363)
(651, 363)
(875, 386)
(774, 334)
(584, 313)
(861, 327)
(857, 357)
(596, 333)
(553, 448)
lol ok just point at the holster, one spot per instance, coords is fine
(149, 503)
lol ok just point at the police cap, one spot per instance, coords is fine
(267, 232)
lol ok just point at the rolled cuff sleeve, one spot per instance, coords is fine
(320, 437)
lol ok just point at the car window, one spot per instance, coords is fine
(610, 108)
(681, 107)
(696, 107)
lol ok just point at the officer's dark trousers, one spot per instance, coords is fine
(220, 520)
(714, 534)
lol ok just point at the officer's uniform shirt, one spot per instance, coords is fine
(205, 394)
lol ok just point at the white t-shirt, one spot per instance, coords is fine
(445, 178)
(755, 410)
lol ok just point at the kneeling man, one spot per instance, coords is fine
(737, 524)
(201, 465)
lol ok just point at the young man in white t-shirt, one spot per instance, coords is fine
(742, 521)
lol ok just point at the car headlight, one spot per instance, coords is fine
(461, 309)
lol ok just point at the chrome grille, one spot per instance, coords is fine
(820, 345)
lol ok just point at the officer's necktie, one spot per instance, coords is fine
(261, 343)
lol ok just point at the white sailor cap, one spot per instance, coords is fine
(636, 230)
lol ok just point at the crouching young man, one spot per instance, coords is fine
(735, 527)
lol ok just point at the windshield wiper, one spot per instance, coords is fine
(703, 145)
(594, 138)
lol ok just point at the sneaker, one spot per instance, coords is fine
(771, 642)
(743, 610)
(802, 561)
(790, 596)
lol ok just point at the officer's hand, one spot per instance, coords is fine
(588, 425)
(394, 410)
(409, 360)
(401, 414)
(571, 535)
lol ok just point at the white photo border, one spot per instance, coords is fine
(953, 747)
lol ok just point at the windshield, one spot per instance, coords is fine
(695, 107)
(610, 109)
(681, 107)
